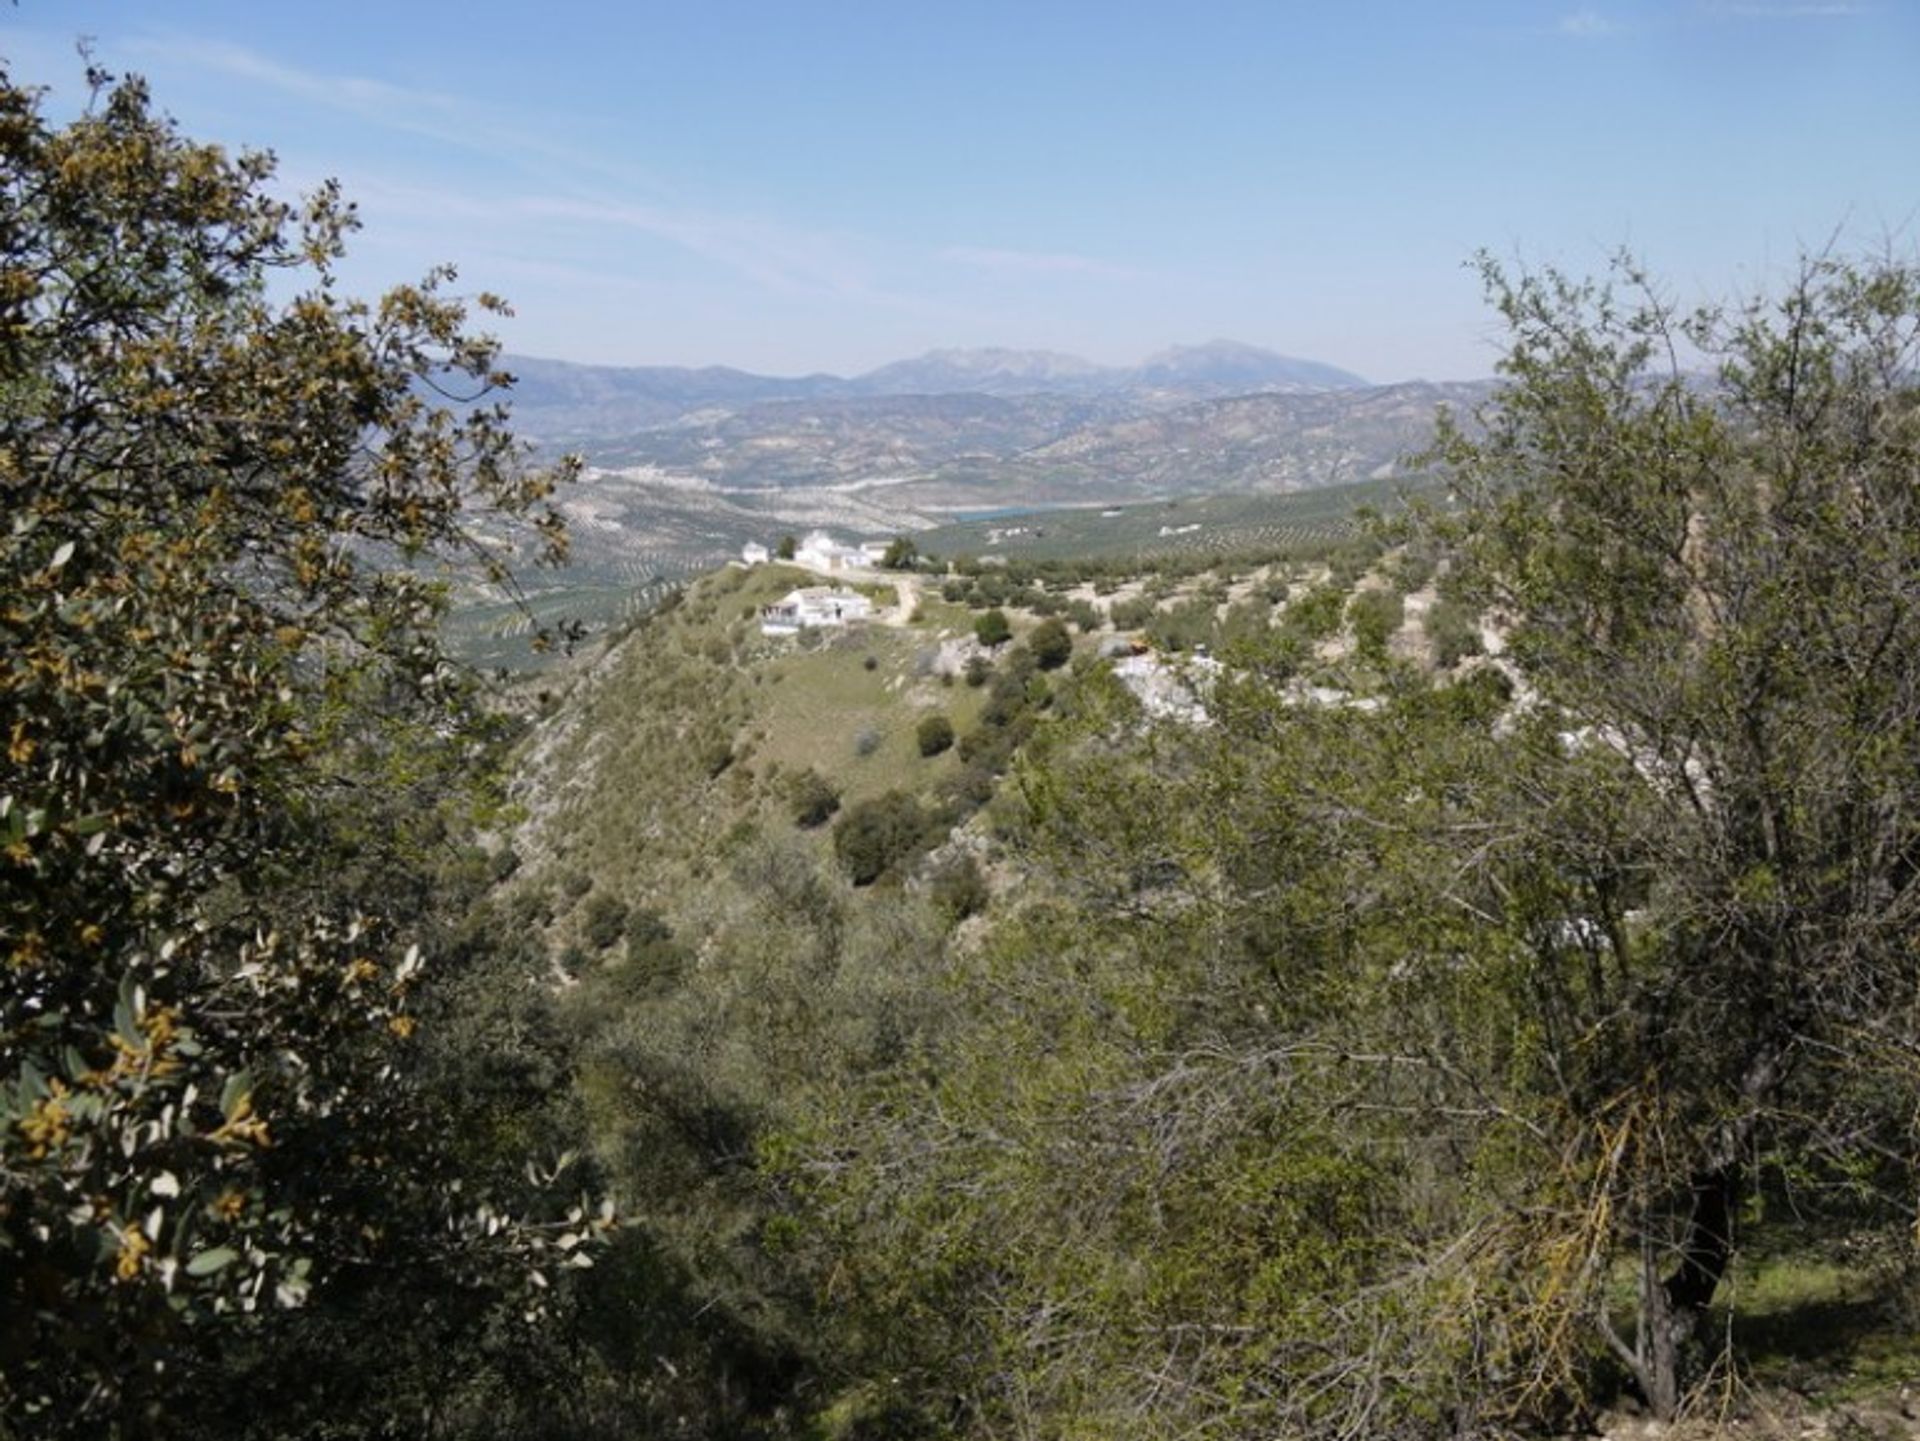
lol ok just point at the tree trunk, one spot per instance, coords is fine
(1674, 1307)
(1658, 1371)
(1709, 1242)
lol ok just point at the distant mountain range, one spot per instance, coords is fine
(561, 402)
(962, 451)
(686, 465)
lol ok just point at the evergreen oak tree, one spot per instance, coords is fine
(226, 491)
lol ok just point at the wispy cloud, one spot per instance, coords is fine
(789, 261)
(371, 99)
(1587, 25)
(454, 120)
(781, 258)
(1035, 262)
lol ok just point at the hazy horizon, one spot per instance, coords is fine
(789, 190)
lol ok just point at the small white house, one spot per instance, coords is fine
(753, 553)
(817, 605)
(875, 551)
(820, 551)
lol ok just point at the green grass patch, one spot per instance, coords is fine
(1812, 1323)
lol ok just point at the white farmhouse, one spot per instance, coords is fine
(816, 605)
(820, 551)
(753, 553)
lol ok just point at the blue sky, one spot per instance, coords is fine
(799, 186)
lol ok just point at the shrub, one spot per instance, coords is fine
(655, 960)
(1052, 646)
(876, 835)
(811, 799)
(977, 670)
(1314, 614)
(1183, 626)
(1006, 702)
(934, 734)
(605, 920)
(993, 629)
(1375, 615)
(866, 741)
(960, 888)
(1454, 631)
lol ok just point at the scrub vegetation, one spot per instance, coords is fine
(1454, 975)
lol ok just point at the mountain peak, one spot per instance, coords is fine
(981, 368)
(1235, 363)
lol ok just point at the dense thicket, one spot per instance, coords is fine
(234, 753)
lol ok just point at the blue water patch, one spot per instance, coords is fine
(1005, 512)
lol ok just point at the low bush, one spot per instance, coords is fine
(876, 835)
(934, 734)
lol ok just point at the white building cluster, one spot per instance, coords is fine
(821, 552)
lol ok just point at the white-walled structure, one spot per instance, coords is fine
(753, 553)
(817, 605)
(820, 551)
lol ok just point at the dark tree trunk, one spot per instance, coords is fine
(1709, 1242)
(1673, 1308)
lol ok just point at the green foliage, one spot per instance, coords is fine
(1696, 578)
(655, 960)
(604, 923)
(875, 836)
(992, 629)
(1374, 615)
(1337, 1062)
(234, 748)
(811, 798)
(787, 547)
(1051, 644)
(934, 734)
(1182, 626)
(1314, 614)
(960, 889)
(1453, 630)
(901, 554)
